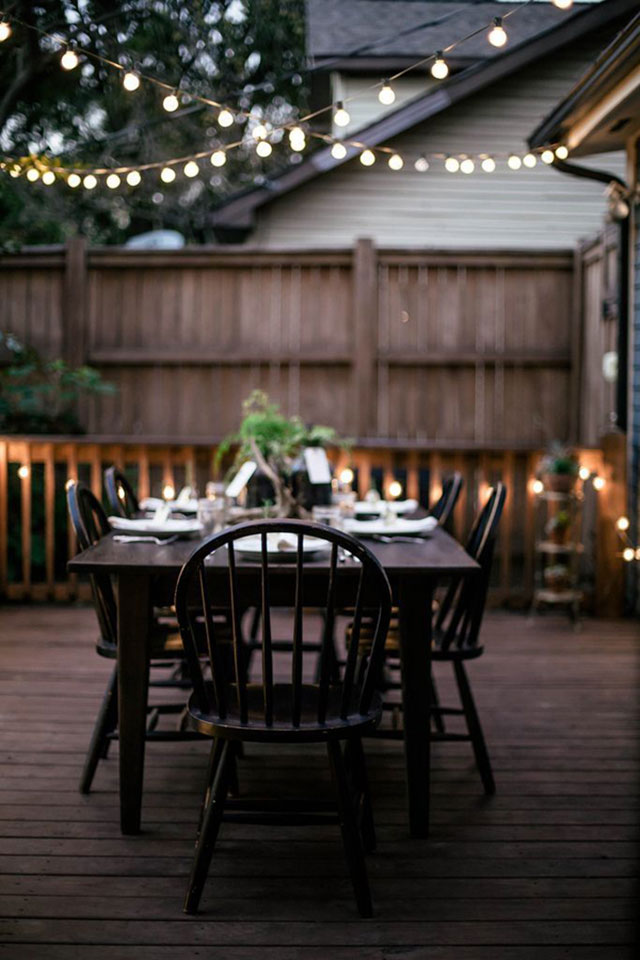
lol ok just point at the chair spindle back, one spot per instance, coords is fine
(120, 494)
(90, 524)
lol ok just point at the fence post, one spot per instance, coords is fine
(365, 310)
(75, 300)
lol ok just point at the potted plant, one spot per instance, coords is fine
(557, 577)
(558, 526)
(559, 468)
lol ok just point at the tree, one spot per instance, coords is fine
(247, 53)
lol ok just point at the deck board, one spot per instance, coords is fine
(547, 869)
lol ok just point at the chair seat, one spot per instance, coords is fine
(281, 730)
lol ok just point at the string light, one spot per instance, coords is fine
(259, 132)
(168, 491)
(561, 152)
(23, 471)
(367, 158)
(33, 174)
(5, 30)
(537, 487)
(346, 476)
(622, 524)
(218, 158)
(584, 473)
(467, 165)
(225, 118)
(497, 36)
(338, 151)
(421, 165)
(264, 149)
(90, 182)
(387, 94)
(133, 178)
(69, 59)
(547, 156)
(628, 554)
(452, 165)
(15, 170)
(48, 177)
(167, 174)
(191, 169)
(341, 117)
(562, 4)
(297, 139)
(529, 160)
(514, 162)
(440, 68)
(170, 103)
(598, 483)
(113, 181)
(488, 164)
(396, 162)
(395, 489)
(73, 180)
(131, 81)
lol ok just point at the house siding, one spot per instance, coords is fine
(534, 209)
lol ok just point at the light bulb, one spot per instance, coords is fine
(168, 491)
(497, 36)
(167, 174)
(440, 68)
(598, 483)
(133, 178)
(346, 475)
(367, 158)
(561, 152)
(338, 151)
(23, 471)
(452, 165)
(225, 118)
(396, 162)
(90, 182)
(113, 181)
(537, 486)
(15, 170)
(264, 148)
(191, 169)
(33, 174)
(395, 489)
(514, 162)
(421, 165)
(467, 165)
(562, 4)
(73, 180)
(488, 164)
(48, 177)
(584, 473)
(529, 160)
(5, 30)
(69, 60)
(297, 139)
(218, 158)
(341, 117)
(170, 103)
(259, 132)
(547, 156)
(386, 94)
(131, 81)
(622, 524)
(628, 554)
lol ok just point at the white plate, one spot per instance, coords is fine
(166, 528)
(176, 506)
(251, 547)
(380, 506)
(398, 528)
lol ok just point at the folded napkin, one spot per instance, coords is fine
(381, 506)
(388, 528)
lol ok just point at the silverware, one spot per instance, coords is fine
(161, 541)
(399, 539)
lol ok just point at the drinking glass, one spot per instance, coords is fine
(212, 514)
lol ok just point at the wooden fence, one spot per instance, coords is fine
(36, 540)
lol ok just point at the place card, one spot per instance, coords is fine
(241, 478)
(317, 465)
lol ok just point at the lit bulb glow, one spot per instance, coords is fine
(225, 118)
(497, 36)
(452, 165)
(297, 139)
(421, 165)
(488, 164)
(367, 158)
(584, 473)
(467, 165)
(170, 103)
(48, 177)
(338, 151)
(440, 68)
(264, 148)
(395, 489)
(346, 475)
(562, 4)
(537, 486)
(23, 471)
(259, 132)
(69, 60)
(529, 160)
(218, 158)
(90, 182)
(113, 181)
(5, 31)
(396, 162)
(341, 117)
(191, 169)
(133, 178)
(73, 180)
(622, 524)
(168, 491)
(33, 174)
(514, 162)
(628, 554)
(15, 171)
(547, 156)
(598, 483)
(561, 152)
(387, 94)
(167, 174)
(131, 81)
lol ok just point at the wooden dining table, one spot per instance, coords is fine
(146, 575)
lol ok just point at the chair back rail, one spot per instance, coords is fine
(120, 494)
(251, 585)
(444, 506)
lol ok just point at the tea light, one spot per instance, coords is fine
(168, 492)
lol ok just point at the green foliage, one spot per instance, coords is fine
(245, 53)
(559, 459)
(38, 395)
(560, 521)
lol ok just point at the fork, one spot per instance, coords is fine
(161, 541)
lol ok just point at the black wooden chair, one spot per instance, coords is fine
(120, 494)
(444, 506)
(231, 710)
(90, 525)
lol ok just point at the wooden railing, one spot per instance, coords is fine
(36, 540)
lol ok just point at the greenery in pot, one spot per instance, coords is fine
(275, 442)
(559, 467)
(558, 526)
(39, 396)
(556, 577)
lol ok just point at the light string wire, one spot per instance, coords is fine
(328, 139)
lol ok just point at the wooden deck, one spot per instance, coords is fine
(546, 869)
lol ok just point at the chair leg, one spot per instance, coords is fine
(209, 833)
(355, 753)
(350, 833)
(438, 719)
(106, 722)
(474, 727)
(212, 768)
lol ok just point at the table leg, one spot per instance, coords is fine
(134, 628)
(415, 654)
